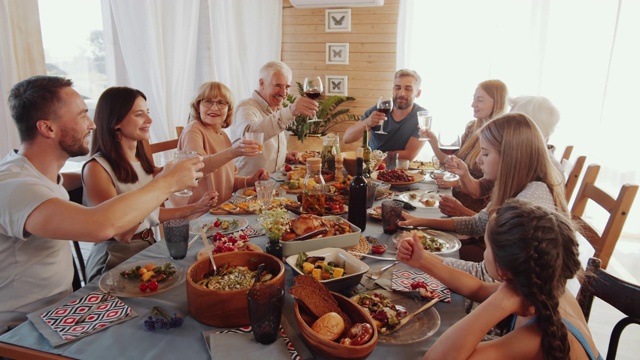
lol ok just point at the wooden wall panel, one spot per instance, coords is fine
(372, 50)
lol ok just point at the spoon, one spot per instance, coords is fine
(404, 321)
(206, 246)
(259, 271)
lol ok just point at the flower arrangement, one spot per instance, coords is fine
(275, 222)
(159, 319)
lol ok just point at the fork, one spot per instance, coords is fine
(376, 275)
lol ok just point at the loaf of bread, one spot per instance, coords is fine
(329, 326)
(314, 298)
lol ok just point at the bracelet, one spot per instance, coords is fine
(245, 181)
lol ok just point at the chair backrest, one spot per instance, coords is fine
(573, 177)
(158, 147)
(567, 153)
(179, 130)
(618, 209)
(618, 293)
(79, 266)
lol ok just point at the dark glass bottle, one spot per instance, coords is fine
(358, 195)
(274, 247)
(366, 155)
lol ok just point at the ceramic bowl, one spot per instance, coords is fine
(333, 349)
(353, 267)
(227, 308)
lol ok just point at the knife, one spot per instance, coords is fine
(405, 205)
(84, 316)
(311, 234)
(372, 256)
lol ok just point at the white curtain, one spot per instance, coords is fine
(21, 56)
(178, 45)
(583, 55)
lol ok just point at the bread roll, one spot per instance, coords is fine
(329, 326)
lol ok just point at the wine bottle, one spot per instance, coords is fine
(366, 155)
(358, 195)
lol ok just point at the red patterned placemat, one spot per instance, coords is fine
(402, 279)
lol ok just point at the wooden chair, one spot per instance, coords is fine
(573, 177)
(618, 208)
(179, 130)
(618, 293)
(159, 147)
(567, 153)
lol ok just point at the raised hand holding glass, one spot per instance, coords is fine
(385, 105)
(313, 89)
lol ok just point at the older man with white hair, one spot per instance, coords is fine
(263, 112)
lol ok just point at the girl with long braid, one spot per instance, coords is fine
(532, 251)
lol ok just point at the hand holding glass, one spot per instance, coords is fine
(424, 123)
(257, 137)
(449, 143)
(313, 89)
(385, 105)
(183, 155)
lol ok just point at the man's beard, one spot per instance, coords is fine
(407, 104)
(73, 145)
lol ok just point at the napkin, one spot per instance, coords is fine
(62, 319)
(250, 231)
(239, 344)
(402, 279)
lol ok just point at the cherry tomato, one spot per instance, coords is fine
(153, 286)
(143, 287)
(216, 224)
(378, 249)
(287, 168)
(380, 167)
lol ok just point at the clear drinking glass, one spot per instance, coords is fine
(385, 105)
(313, 89)
(424, 122)
(449, 143)
(182, 155)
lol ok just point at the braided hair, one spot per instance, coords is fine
(538, 248)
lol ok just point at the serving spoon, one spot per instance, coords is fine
(404, 321)
(206, 247)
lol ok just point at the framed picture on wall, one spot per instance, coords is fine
(336, 85)
(337, 20)
(338, 53)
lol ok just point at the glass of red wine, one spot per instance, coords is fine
(385, 105)
(449, 143)
(313, 89)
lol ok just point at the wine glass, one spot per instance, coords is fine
(385, 105)
(424, 122)
(182, 155)
(449, 143)
(313, 89)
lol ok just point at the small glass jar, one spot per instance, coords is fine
(330, 148)
(274, 247)
(313, 196)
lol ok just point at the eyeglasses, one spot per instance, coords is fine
(221, 104)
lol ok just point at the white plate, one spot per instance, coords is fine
(417, 198)
(123, 287)
(208, 219)
(240, 193)
(452, 243)
(417, 329)
(353, 268)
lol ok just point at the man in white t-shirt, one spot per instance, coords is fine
(35, 267)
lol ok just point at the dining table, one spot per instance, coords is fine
(130, 340)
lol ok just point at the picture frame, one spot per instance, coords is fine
(336, 85)
(337, 20)
(338, 53)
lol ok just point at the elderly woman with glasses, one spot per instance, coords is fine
(212, 111)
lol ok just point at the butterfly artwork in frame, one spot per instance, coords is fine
(338, 53)
(337, 20)
(336, 85)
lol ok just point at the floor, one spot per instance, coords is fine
(625, 264)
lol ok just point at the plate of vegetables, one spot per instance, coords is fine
(141, 278)
(437, 242)
(334, 267)
(214, 224)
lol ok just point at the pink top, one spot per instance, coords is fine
(204, 140)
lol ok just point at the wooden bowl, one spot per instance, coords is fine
(227, 308)
(334, 350)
